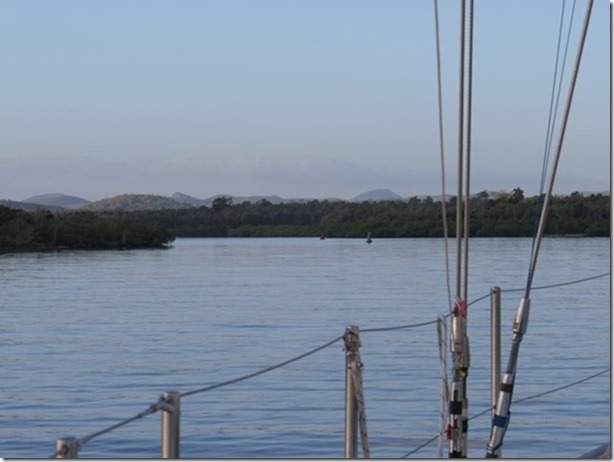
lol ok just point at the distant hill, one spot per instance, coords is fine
(130, 202)
(58, 200)
(27, 206)
(378, 195)
(133, 202)
(185, 199)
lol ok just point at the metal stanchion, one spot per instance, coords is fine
(495, 342)
(170, 425)
(352, 342)
(495, 349)
(67, 448)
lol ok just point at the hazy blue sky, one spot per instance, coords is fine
(300, 98)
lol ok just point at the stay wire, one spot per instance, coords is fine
(461, 125)
(516, 401)
(442, 154)
(557, 85)
(468, 150)
(551, 112)
(566, 112)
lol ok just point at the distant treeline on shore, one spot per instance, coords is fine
(510, 215)
(506, 215)
(43, 230)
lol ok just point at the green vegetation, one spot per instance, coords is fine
(506, 215)
(43, 230)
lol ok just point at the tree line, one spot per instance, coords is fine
(43, 230)
(507, 215)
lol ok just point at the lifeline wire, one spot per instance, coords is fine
(150, 410)
(560, 284)
(516, 401)
(255, 374)
(157, 406)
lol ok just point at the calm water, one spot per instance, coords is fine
(91, 338)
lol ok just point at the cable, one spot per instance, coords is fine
(539, 395)
(502, 413)
(516, 401)
(406, 326)
(468, 150)
(158, 405)
(442, 156)
(553, 111)
(81, 441)
(560, 284)
(255, 374)
(570, 94)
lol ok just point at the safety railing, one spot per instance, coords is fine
(355, 409)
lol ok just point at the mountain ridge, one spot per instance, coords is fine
(130, 202)
(57, 200)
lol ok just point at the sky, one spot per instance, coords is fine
(298, 98)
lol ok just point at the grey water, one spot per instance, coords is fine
(89, 339)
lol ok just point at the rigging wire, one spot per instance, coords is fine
(516, 401)
(157, 406)
(545, 205)
(502, 413)
(459, 342)
(461, 125)
(554, 104)
(553, 111)
(468, 149)
(442, 155)
(263, 371)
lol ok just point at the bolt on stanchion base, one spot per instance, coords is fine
(67, 448)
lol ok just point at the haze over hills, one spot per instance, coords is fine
(181, 200)
(132, 202)
(58, 200)
(378, 195)
(27, 206)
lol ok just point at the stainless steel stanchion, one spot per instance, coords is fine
(352, 342)
(495, 349)
(170, 425)
(495, 343)
(67, 448)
